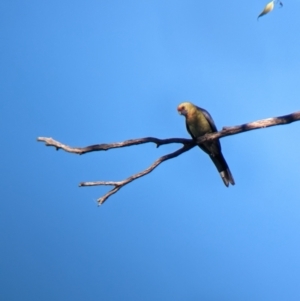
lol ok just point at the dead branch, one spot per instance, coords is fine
(120, 184)
(187, 145)
(105, 147)
(255, 125)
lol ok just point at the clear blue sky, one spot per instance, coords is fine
(87, 72)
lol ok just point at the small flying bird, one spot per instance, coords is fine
(269, 7)
(198, 123)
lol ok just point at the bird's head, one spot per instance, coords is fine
(184, 108)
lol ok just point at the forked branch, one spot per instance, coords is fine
(187, 145)
(120, 184)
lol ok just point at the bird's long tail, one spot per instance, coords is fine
(223, 169)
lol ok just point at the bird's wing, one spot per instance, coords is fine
(212, 124)
(209, 119)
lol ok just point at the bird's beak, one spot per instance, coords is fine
(182, 112)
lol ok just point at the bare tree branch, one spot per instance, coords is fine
(120, 184)
(187, 145)
(105, 147)
(255, 125)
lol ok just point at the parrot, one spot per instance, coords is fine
(269, 7)
(198, 123)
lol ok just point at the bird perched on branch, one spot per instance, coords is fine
(198, 123)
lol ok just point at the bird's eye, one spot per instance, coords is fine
(182, 108)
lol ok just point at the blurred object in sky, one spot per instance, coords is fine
(269, 7)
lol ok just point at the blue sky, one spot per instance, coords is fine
(106, 71)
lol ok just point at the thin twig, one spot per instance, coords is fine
(187, 145)
(120, 184)
(105, 147)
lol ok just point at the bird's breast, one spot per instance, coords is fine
(198, 126)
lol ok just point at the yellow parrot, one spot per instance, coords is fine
(198, 123)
